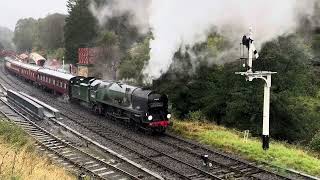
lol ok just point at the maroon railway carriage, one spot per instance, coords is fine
(27, 71)
(12, 67)
(54, 80)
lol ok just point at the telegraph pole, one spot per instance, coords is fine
(250, 75)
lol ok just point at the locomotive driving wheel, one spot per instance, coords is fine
(97, 109)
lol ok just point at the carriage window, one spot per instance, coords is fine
(60, 84)
(65, 85)
(54, 82)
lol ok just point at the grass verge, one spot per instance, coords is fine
(19, 160)
(280, 154)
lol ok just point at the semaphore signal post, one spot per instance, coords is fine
(250, 75)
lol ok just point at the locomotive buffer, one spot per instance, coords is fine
(250, 75)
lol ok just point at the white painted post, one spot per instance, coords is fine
(250, 57)
(266, 110)
(264, 75)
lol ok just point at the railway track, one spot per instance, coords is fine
(63, 149)
(234, 166)
(224, 167)
(196, 173)
(70, 155)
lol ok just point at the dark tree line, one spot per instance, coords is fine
(42, 34)
(193, 84)
(81, 28)
(227, 99)
(120, 41)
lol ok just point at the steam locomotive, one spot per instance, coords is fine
(137, 106)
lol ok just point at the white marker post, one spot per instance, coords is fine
(266, 76)
(266, 111)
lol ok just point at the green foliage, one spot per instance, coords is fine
(196, 116)
(108, 39)
(280, 154)
(315, 142)
(13, 134)
(215, 44)
(25, 34)
(289, 118)
(47, 33)
(228, 99)
(80, 29)
(132, 65)
(56, 54)
(127, 34)
(50, 31)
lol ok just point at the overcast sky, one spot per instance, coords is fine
(13, 10)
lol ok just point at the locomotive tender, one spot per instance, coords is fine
(137, 106)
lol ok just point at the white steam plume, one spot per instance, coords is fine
(137, 9)
(175, 23)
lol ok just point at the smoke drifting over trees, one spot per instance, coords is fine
(177, 23)
(187, 36)
(6, 36)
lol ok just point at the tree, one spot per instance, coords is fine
(80, 28)
(132, 65)
(51, 31)
(6, 36)
(229, 100)
(109, 63)
(25, 34)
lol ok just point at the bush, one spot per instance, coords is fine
(13, 134)
(315, 142)
(196, 116)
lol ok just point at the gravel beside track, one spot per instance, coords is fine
(172, 157)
